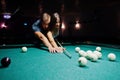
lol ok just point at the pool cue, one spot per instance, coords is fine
(65, 51)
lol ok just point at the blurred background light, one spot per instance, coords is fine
(6, 15)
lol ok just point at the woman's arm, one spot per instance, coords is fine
(45, 41)
(53, 43)
(51, 39)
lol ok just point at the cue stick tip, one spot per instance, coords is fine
(65, 51)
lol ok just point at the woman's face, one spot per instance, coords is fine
(56, 15)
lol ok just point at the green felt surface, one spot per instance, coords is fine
(38, 64)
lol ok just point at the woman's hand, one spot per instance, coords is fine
(60, 49)
(52, 50)
(56, 50)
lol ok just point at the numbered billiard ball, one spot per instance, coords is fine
(5, 61)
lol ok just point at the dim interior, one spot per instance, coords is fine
(82, 20)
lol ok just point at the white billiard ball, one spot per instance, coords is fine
(98, 48)
(111, 56)
(77, 49)
(94, 57)
(89, 52)
(82, 53)
(82, 61)
(24, 49)
(99, 54)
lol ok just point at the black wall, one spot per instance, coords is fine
(100, 21)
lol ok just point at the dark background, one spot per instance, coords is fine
(99, 19)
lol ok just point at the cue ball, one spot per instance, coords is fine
(111, 56)
(24, 49)
(77, 49)
(5, 61)
(82, 61)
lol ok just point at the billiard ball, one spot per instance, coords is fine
(98, 48)
(94, 57)
(89, 52)
(5, 61)
(24, 49)
(77, 49)
(82, 61)
(111, 56)
(99, 54)
(82, 53)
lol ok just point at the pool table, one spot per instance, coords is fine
(39, 64)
